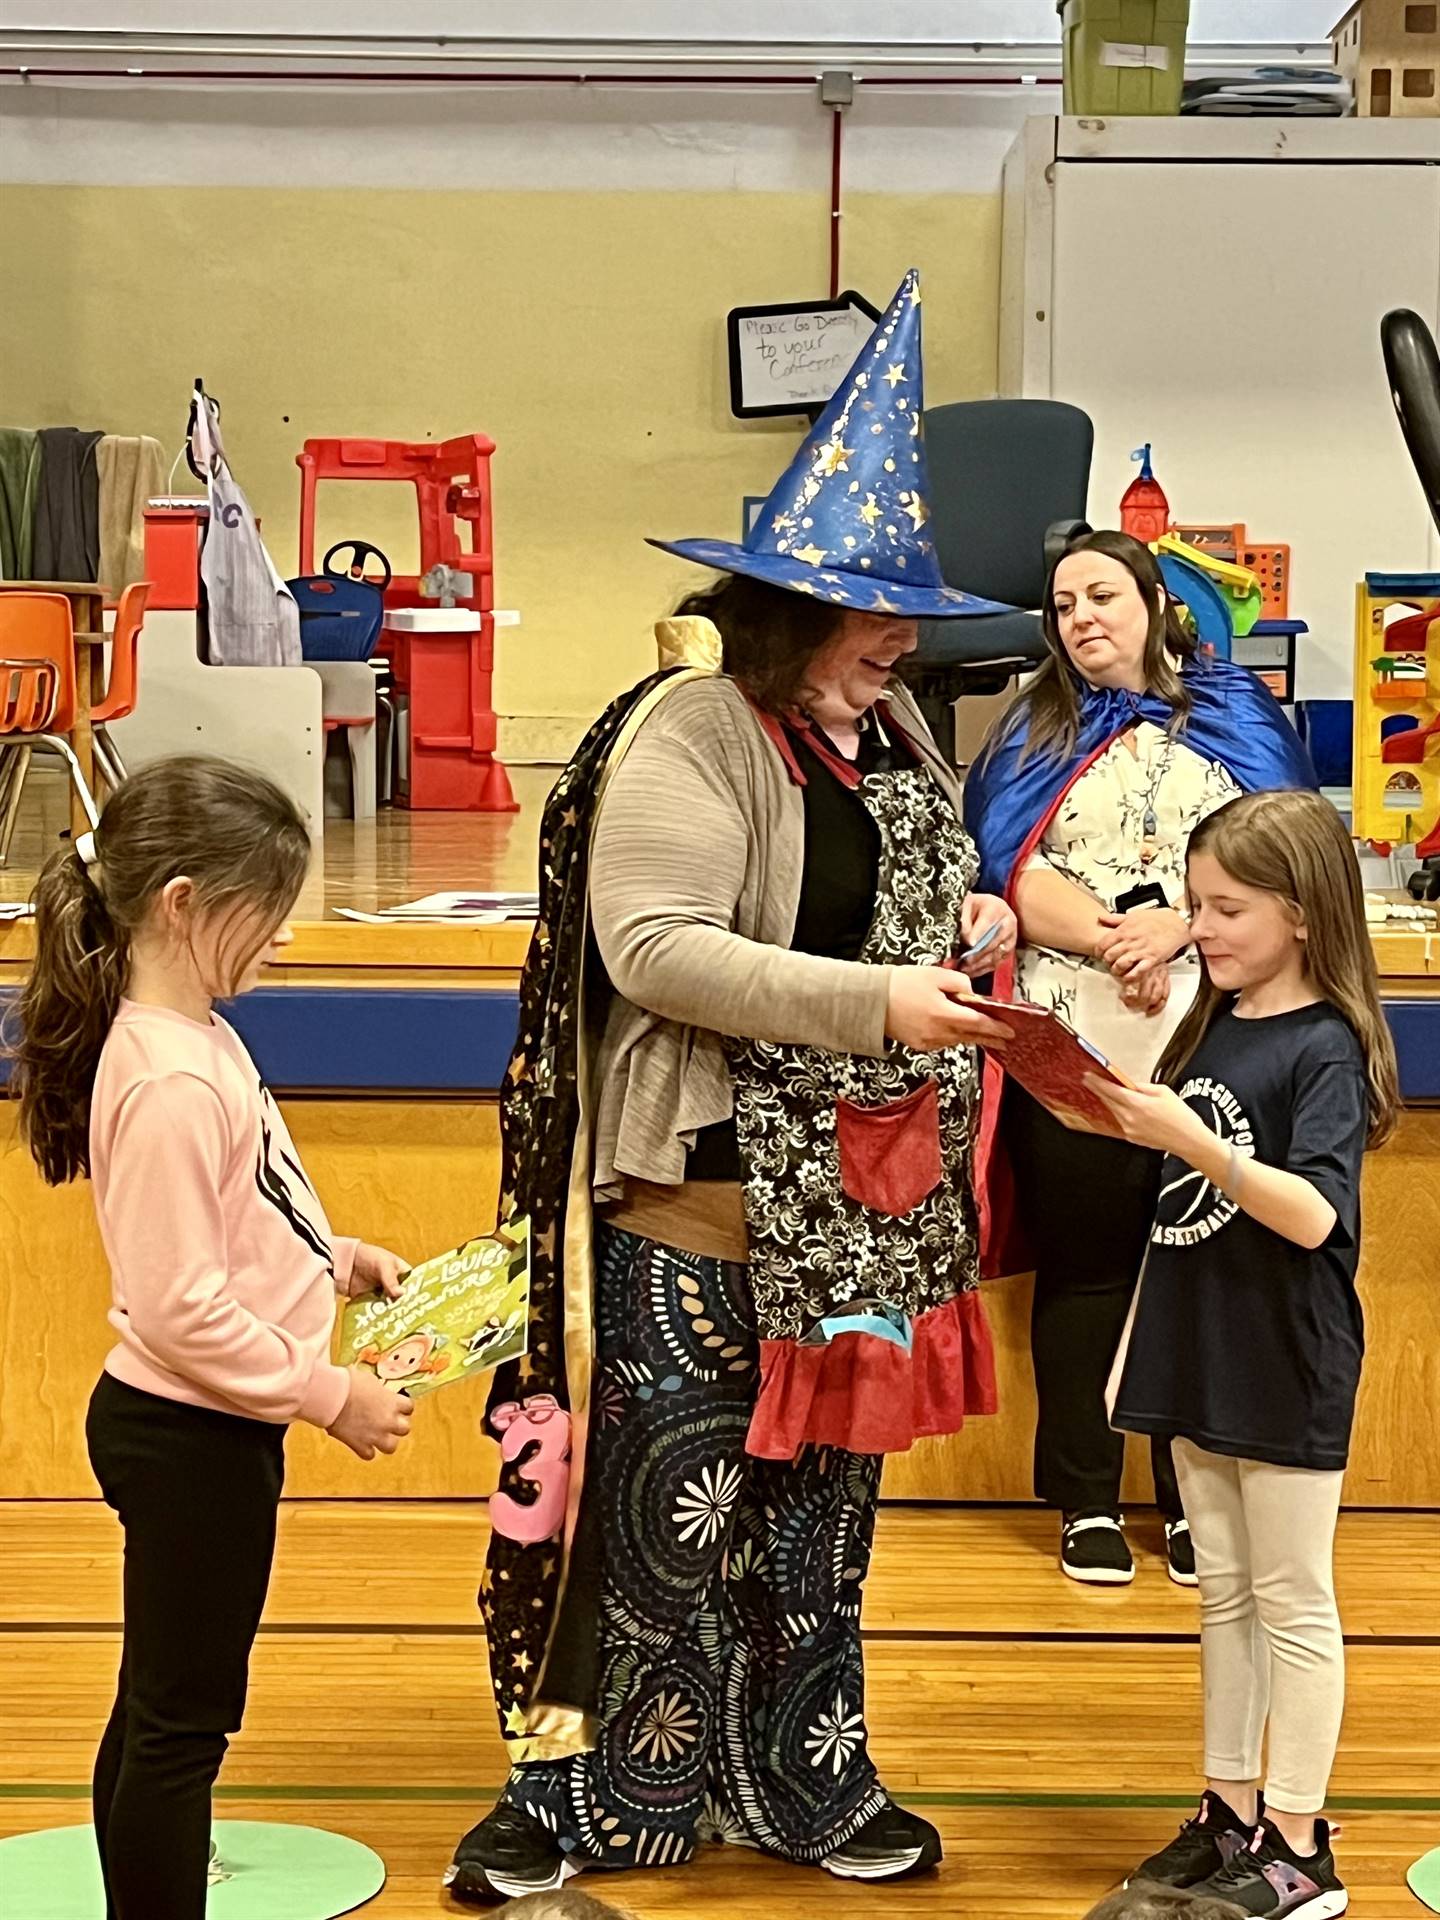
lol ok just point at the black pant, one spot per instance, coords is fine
(1088, 1204)
(197, 1494)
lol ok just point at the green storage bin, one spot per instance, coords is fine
(1124, 56)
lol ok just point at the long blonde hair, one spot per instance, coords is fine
(1294, 845)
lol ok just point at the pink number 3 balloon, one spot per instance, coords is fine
(544, 1419)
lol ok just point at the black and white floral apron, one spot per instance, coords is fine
(856, 1172)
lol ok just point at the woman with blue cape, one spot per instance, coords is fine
(1081, 804)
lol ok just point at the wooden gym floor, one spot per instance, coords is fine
(398, 856)
(1050, 1731)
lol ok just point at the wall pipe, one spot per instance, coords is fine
(837, 135)
(268, 76)
(588, 54)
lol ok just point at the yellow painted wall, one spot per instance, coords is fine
(583, 332)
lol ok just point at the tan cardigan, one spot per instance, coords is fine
(695, 887)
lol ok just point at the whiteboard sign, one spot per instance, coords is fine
(790, 359)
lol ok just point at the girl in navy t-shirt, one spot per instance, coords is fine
(1246, 1334)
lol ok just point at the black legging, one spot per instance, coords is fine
(1087, 1204)
(196, 1492)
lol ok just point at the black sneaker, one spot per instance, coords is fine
(1266, 1877)
(892, 1845)
(1203, 1846)
(1180, 1552)
(509, 1854)
(1093, 1549)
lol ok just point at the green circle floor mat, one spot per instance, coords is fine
(264, 1871)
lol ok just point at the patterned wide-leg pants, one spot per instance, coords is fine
(732, 1694)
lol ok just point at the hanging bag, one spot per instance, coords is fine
(250, 618)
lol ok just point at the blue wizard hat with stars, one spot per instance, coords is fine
(847, 520)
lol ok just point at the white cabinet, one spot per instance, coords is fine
(1217, 290)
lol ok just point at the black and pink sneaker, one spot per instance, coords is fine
(1266, 1877)
(1203, 1846)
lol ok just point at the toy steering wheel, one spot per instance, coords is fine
(360, 551)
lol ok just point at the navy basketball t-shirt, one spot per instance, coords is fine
(1243, 1342)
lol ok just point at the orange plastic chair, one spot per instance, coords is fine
(37, 697)
(120, 693)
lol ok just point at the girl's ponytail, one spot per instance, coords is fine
(243, 845)
(64, 1014)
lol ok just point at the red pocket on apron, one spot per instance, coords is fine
(890, 1155)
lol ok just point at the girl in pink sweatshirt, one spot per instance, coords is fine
(224, 1269)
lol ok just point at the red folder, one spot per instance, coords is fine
(1050, 1060)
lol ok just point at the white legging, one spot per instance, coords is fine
(1269, 1629)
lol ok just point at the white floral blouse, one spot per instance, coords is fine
(1096, 839)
